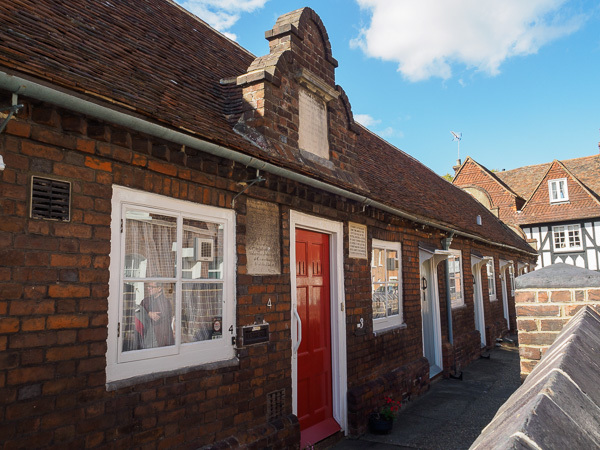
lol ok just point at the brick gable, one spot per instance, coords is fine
(581, 203)
(480, 182)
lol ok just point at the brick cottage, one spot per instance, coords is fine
(200, 247)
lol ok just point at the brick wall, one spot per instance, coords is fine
(54, 290)
(543, 311)
(473, 176)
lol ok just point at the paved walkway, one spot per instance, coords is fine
(453, 413)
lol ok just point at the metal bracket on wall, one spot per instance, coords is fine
(12, 110)
(247, 184)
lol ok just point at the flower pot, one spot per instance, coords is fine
(380, 425)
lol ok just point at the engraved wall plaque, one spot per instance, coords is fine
(357, 240)
(312, 132)
(262, 238)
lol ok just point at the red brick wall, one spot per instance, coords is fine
(542, 314)
(472, 175)
(54, 289)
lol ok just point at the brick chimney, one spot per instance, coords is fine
(459, 163)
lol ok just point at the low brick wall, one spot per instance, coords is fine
(545, 301)
(411, 380)
(558, 405)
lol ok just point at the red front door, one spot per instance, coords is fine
(315, 412)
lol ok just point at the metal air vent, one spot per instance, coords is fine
(50, 199)
(275, 404)
(203, 249)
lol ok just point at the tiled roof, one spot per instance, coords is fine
(154, 59)
(147, 55)
(524, 180)
(404, 182)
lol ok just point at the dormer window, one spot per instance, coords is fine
(558, 190)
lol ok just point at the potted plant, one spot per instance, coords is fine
(382, 420)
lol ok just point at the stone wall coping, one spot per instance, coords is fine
(558, 405)
(559, 276)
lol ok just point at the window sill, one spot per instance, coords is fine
(559, 202)
(458, 308)
(119, 384)
(569, 250)
(385, 330)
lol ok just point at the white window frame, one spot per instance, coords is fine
(566, 229)
(181, 355)
(554, 187)
(458, 302)
(511, 277)
(396, 320)
(491, 279)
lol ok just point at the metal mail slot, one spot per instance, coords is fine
(255, 334)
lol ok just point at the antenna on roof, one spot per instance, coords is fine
(457, 137)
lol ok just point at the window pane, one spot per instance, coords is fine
(149, 245)
(148, 323)
(202, 312)
(202, 250)
(574, 238)
(455, 280)
(559, 237)
(393, 300)
(491, 278)
(561, 189)
(379, 298)
(378, 271)
(392, 265)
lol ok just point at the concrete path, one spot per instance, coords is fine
(453, 413)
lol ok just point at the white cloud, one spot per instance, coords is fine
(390, 132)
(366, 120)
(221, 14)
(426, 37)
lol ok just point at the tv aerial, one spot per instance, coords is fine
(457, 137)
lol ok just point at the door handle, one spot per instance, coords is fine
(299, 331)
(423, 283)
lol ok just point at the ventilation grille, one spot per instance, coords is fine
(275, 404)
(50, 199)
(203, 249)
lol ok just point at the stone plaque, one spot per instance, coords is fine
(312, 131)
(357, 237)
(262, 238)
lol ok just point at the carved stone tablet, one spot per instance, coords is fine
(357, 240)
(262, 238)
(312, 132)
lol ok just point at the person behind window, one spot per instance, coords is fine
(154, 317)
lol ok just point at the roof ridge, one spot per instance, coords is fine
(191, 14)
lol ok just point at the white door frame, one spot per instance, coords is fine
(339, 372)
(433, 258)
(477, 263)
(503, 266)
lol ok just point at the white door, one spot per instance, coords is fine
(430, 311)
(476, 265)
(503, 268)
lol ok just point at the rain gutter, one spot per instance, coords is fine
(29, 88)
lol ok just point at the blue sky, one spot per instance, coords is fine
(520, 79)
